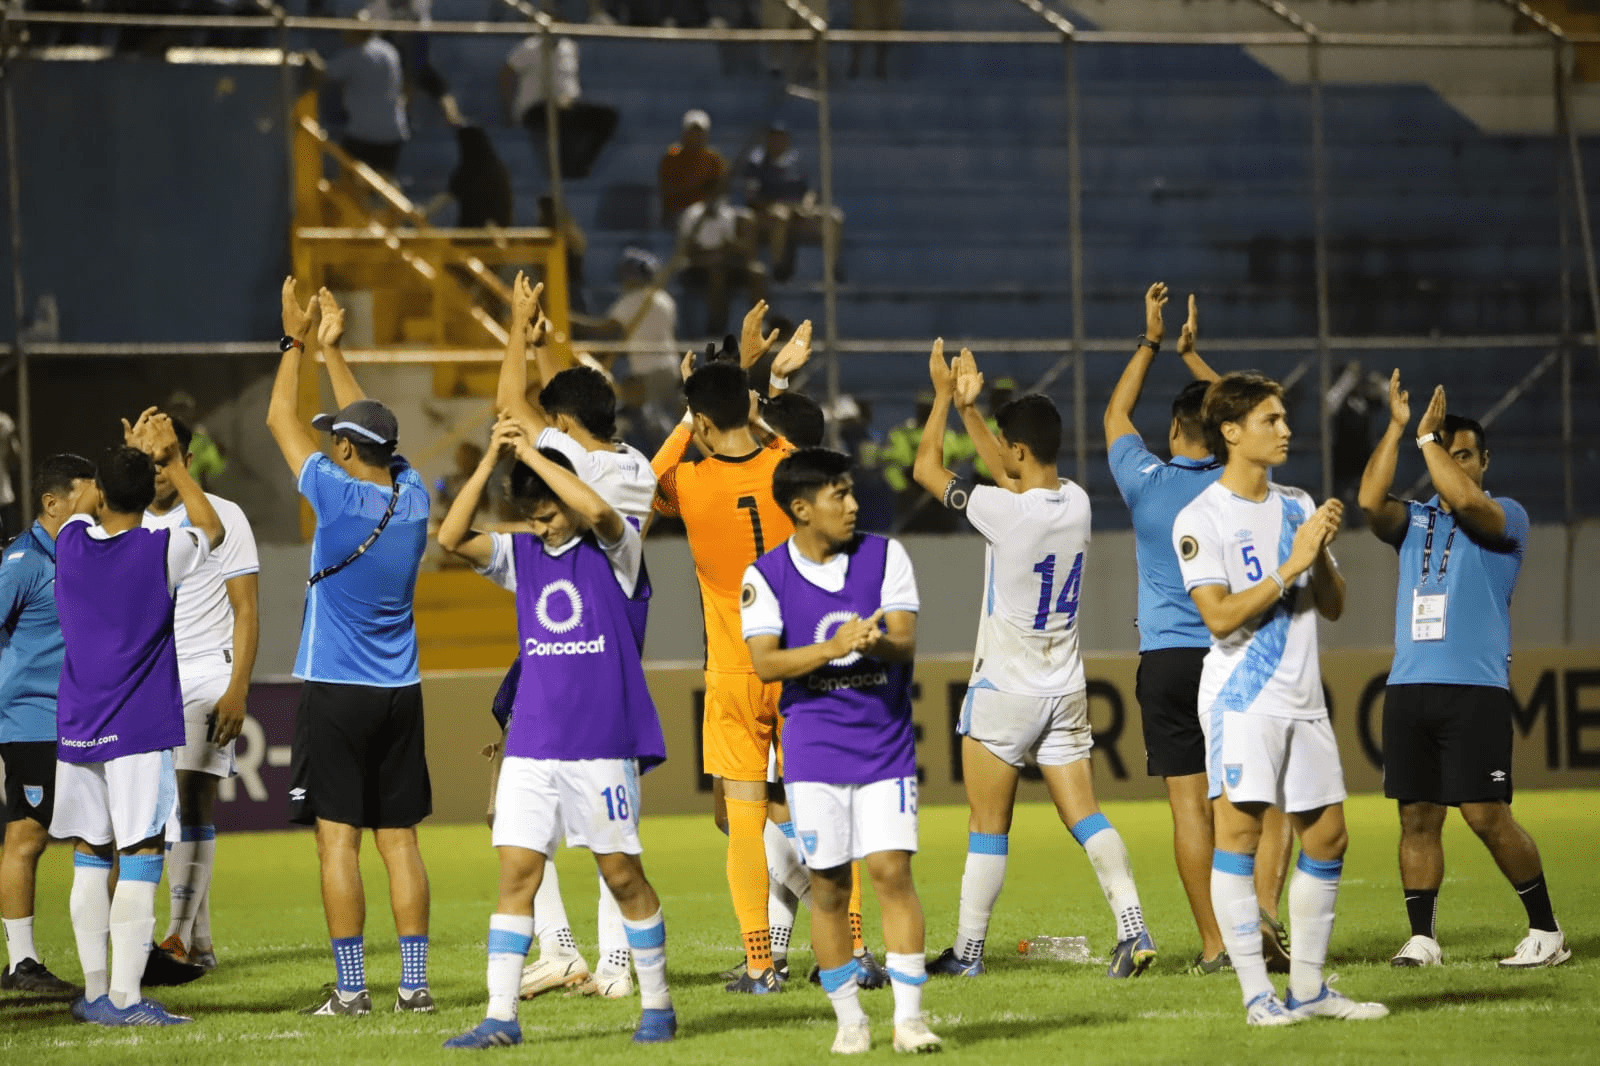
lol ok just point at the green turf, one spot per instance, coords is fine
(274, 958)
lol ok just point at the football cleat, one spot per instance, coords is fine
(553, 971)
(1539, 948)
(31, 975)
(1274, 944)
(852, 1039)
(205, 958)
(491, 1032)
(763, 984)
(350, 1004)
(872, 974)
(81, 1007)
(607, 984)
(169, 964)
(1331, 1004)
(144, 1012)
(413, 1001)
(1133, 956)
(1419, 951)
(1218, 963)
(656, 1026)
(914, 1036)
(949, 965)
(1266, 1010)
(781, 964)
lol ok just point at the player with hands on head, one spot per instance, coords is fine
(1027, 693)
(1448, 710)
(1254, 557)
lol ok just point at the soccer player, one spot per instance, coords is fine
(120, 710)
(1448, 709)
(1173, 639)
(576, 414)
(30, 675)
(1027, 694)
(581, 587)
(810, 611)
(217, 628)
(1254, 557)
(359, 759)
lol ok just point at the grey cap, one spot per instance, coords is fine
(367, 419)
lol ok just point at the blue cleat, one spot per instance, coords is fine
(767, 983)
(144, 1012)
(948, 965)
(872, 974)
(656, 1027)
(491, 1032)
(1133, 956)
(81, 1007)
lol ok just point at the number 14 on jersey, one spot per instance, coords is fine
(1066, 603)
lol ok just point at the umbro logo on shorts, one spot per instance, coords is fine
(296, 795)
(810, 842)
(1497, 776)
(1234, 773)
(34, 794)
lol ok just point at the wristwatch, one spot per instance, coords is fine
(1429, 438)
(286, 342)
(1146, 342)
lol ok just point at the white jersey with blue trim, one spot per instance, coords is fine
(1268, 665)
(202, 620)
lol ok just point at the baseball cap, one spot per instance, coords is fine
(367, 419)
(696, 117)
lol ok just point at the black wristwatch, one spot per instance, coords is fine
(286, 342)
(1146, 342)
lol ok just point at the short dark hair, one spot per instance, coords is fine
(797, 416)
(584, 394)
(127, 479)
(1032, 420)
(57, 473)
(369, 452)
(805, 472)
(721, 392)
(1186, 410)
(528, 489)
(1454, 424)
(185, 435)
(1229, 399)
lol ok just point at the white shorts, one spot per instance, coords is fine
(594, 802)
(200, 695)
(838, 824)
(1054, 729)
(122, 801)
(1290, 763)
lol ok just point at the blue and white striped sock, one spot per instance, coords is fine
(907, 975)
(133, 919)
(350, 960)
(844, 992)
(414, 962)
(510, 937)
(1233, 901)
(1313, 890)
(981, 881)
(1114, 868)
(647, 940)
(90, 906)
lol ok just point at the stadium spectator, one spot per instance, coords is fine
(582, 126)
(895, 458)
(873, 15)
(1448, 710)
(415, 59)
(369, 72)
(688, 167)
(358, 760)
(786, 209)
(718, 241)
(645, 315)
(10, 451)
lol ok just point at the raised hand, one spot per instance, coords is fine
(752, 345)
(968, 381)
(1433, 418)
(331, 331)
(296, 319)
(793, 355)
(134, 435)
(524, 300)
(1191, 329)
(160, 439)
(508, 433)
(686, 367)
(1155, 327)
(1399, 401)
(939, 371)
(1332, 513)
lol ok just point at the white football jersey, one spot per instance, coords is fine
(621, 474)
(202, 621)
(1038, 543)
(1268, 665)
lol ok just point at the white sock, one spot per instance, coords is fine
(90, 906)
(783, 860)
(189, 864)
(907, 975)
(781, 909)
(550, 916)
(981, 882)
(613, 934)
(510, 936)
(648, 941)
(133, 920)
(844, 992)
(1312, 892)
(1109, 857)
(202, 919)
(19, 940)
(1233, 901)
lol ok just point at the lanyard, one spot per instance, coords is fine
(1427, 547)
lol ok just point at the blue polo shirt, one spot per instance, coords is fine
(358, 627)
(1477, 580)
(1155, 490)
(31, 647)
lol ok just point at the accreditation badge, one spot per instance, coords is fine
(1427, 615)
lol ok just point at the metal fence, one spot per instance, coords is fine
(1498, 370)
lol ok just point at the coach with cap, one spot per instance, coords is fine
(358, 759)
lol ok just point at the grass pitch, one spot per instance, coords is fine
(274, 957)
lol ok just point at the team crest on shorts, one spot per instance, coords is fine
(1188, 548)
(34, 794)
(810, 842)
(1234, 773)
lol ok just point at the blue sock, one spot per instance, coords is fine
(414, 962)
(350, 958)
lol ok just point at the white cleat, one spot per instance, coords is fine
(1266, 1010)
(1331, 1004)
(553, 971)
(914, 1036)
(1419, 951)
(853, 1039)
(607, 984)
(1539, 948)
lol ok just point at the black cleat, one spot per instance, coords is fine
(31, 975)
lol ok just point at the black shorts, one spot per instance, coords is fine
(30, 780)
(1168, 689)
(1447, 744)
(359, 757)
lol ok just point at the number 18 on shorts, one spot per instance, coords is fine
(838, 824)
(594, 803)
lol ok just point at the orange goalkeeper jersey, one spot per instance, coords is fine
(727, 507)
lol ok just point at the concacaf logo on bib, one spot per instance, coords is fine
(574, 604)
(825, 627)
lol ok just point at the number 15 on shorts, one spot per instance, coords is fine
(908, 795)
